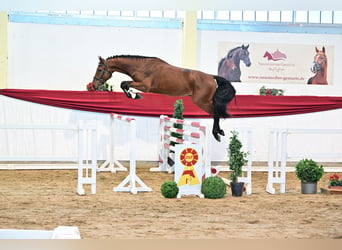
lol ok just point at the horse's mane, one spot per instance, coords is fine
(233, 50)
(132, 57)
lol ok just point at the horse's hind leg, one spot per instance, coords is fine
(125, 86)
(217, 131)
(210, 109)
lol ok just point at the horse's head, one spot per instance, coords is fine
(102, 74)
(244, 55)
(320, 60)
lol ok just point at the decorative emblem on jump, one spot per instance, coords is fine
(188, 157)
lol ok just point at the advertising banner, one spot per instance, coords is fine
(276, 63)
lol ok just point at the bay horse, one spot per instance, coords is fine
(320, 68)
(229, 66)
(150, 74)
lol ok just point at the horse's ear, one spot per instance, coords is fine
(101, 59)
(323, 49)
(316, 50)
(247, 46)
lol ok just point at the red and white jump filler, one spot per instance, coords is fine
(194, 133)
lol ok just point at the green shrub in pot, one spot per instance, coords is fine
(309, 172)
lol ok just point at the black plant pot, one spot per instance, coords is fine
(237, 188)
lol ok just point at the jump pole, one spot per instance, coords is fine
(129, 183)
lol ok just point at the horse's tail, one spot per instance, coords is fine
(225, 92)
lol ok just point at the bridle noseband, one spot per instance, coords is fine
(317, 64)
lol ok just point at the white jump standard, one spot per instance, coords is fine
(278, 153)
(129, 183)
(87, 153)
(113, 164)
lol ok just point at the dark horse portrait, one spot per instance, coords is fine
(319, 68)
(229, 66)
(150, 74)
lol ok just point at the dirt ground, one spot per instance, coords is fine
(45, 199)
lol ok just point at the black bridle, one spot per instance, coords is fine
(100, 79)
(318, 65)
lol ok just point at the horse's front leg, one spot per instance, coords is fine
(125, 86)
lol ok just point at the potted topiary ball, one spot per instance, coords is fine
(169, 189)
(309, 173)
(213, 187)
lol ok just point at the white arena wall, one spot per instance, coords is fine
(44, 56)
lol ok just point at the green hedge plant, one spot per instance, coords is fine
(169, 189)
(213, 187)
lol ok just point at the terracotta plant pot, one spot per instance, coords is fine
(335, 189)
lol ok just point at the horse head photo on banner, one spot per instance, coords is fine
(319, 67)
(229, 66)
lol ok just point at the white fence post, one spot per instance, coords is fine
(87, 161)
(277, 155)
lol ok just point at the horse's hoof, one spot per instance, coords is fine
(217, 137)
(138, 96)
(221, 132)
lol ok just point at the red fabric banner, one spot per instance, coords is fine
(155, 105)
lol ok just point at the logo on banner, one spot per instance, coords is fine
(275, 56)
(188, 158)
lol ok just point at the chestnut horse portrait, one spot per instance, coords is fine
(319, 68)
(150, 74)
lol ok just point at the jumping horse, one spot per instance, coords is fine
(320, 68)
(229, 66)
(150, 74)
